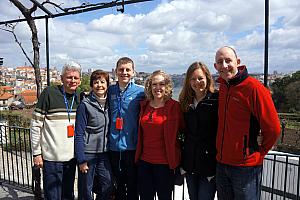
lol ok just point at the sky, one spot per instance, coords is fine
(161, 34)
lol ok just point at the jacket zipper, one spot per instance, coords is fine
(245, 148)
(104, 135)
(105, 122)
(226, 106)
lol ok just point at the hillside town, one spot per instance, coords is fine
(18, 88)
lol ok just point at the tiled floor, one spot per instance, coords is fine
(9, 193)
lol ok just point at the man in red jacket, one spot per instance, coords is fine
(246, 109)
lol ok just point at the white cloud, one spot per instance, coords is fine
(116, 24)
(251, 41)
(170, 37)
(287, 38)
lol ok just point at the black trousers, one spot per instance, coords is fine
(125, 172)
(155, 178)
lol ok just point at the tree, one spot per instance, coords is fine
(85, 83)
(286, 92)
(27, 12)
(278, 93)
(292, 96)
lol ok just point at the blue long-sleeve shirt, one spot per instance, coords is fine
(126, 105)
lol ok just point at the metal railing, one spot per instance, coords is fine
(16, 158)
(280, 177)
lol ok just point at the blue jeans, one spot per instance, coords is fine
(58, 179)
(200, 188)
(99, 166)
(155, 178)
(125, 172)
(238, 183)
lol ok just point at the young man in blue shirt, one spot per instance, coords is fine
(124, 105)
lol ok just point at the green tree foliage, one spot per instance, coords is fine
(16, 118)
(292, 96)
(16, 135)
(54, 84)
(85, 83)
(286, 93)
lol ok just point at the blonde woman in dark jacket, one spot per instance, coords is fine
(199, 103)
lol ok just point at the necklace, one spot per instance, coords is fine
(151, 115)
(153, 105)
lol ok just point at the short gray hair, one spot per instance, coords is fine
(71, 66)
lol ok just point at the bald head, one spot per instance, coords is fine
(226, 62)
(226, 48)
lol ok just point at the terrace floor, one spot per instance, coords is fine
(7, 192)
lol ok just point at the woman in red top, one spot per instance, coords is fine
(158, 150)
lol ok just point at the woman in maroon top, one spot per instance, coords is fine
(158, 150)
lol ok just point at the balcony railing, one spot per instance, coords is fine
(280, 177)
(15, 159)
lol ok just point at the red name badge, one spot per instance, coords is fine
(119, 123)
(70, 130)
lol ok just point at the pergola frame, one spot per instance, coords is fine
(122, 3)
(70, 11)
(75, 10)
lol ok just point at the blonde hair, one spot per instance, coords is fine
(187, 94)
(168, 85)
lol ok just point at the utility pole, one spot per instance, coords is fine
(1, 61)
(266, 59)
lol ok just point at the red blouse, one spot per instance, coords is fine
(172, 123)
(154, 150)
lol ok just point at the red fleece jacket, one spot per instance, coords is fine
(245, 109)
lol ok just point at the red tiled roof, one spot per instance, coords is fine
(29, 100)
(7, 88)
(29, 93)
(24, 68)
(5, 96)
(29, 97)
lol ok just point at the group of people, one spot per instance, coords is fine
(124, 138)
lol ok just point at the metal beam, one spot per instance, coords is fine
(266, 58)
(105, 5)
(41, 7)
(47, 52)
